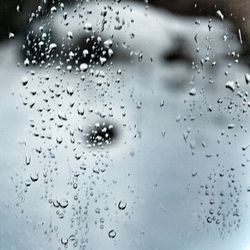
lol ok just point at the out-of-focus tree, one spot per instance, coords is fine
(237, 11)
(15, 14)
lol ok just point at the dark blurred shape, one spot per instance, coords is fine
(236, 11)
(179, 53)
(101, 134)
(15, 14)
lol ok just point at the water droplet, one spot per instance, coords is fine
(64, 241)
(88, 26)
(209, 219)
(52, 46)
(70, 91)
(24, 80)
(112, 234)
(26, 62)
(230, 126)
(11, 35)
(103, 60)
(83, 66)
(63, 203)
(108, 43)
(247, 78)
(162, 103)
(230, 85)
(27, 160)
(192, 92)
(122, 205)
(219, 14)
(70, 35)
(34, 177)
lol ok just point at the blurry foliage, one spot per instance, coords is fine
(234, 10)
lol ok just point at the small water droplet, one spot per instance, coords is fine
(219, 14)
(192, 92)
(63, 203)
(34, 177)
(247, 78)
(112, 234)
(230, 85)
(122, 205)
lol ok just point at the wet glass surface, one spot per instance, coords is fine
(123, 126)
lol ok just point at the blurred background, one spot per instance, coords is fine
(15, 14)
(176, 91)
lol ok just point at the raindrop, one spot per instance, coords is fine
(108, 43)
(52, 46)
(103, 60)
(192, 92)
(70, 91)
(64, 241)
(162, 103)
(27, 183)
(230, 126)
(70, 35)
(112, 234)
(247, 78)
(209, 219)
(83, 66)
(34, 177)
(63, 203)
(80, 110)
(27, 160)
(122, 205)
(219, 14)
(230, 85)
(88, 26)
(11, 35)
(26, 62)
(24, 80)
